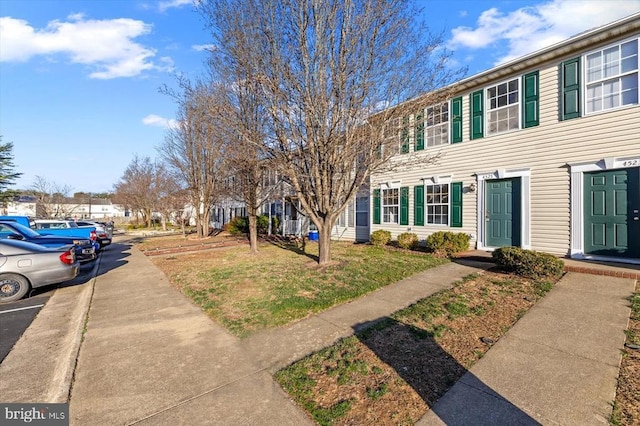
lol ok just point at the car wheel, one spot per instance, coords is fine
(13, 287)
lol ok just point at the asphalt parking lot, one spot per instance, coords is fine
(15, 317)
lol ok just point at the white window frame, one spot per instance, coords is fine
(391, 134)
(516, 104)
(427, 204)
(441, 125)
(388, 216)
(603, 80)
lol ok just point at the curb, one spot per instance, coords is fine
(61, 383)
(41, 365)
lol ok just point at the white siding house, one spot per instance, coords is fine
(542, 152)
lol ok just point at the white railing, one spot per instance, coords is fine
(292, 227)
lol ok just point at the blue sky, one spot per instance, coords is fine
(79, 79)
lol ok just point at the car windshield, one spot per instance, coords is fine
(30, 233)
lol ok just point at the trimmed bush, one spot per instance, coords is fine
(408, 240)
(446, 243)
(528, 263)
(237, 225)
(262, 224)
(380, 237)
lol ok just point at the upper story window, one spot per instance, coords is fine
(437, 124)
(503, 105)
(611, 77)
(390, 205)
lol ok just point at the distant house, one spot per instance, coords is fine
(22, 205)
(542, 152)
(76, 208)
(94, 208)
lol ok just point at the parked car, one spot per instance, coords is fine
(102, 234)
(83, 247)
(66, 227)
(24, 266)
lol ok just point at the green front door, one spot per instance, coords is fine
(502, 212)
(612, 213)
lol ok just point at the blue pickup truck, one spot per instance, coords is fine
(62, 228)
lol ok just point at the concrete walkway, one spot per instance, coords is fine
(149, 356)
(557, 366)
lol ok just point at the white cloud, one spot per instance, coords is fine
(202, 47)
(106, 46)
(157, 121)
(168, 4)
(528, 29)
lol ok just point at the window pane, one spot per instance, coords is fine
(630, 89)
(611, 54)
(594, 66)
(629, 56)
(502, 89)
(630, 48)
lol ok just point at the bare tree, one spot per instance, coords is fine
(334, 76)
(195, 149)
(172, 198)
(137, 188)
(52, 198)
(245, 122)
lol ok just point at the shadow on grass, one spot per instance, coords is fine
(294, 244)
(432, 372)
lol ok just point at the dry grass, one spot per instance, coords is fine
(283, 283)
(626, 409)
(394, 371)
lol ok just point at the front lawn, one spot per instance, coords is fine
(392, 372)
(283, 283)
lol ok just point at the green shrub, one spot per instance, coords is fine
(380, 237)
(528, 263)
(237, 225)
(446, 243)
(263, 224)
(408, 240)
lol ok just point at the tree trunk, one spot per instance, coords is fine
(324, 243)
(253, 230)
(205, 223)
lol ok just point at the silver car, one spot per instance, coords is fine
(24, 266)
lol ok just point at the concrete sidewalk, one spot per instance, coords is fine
(149, 356)
(557, 365)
